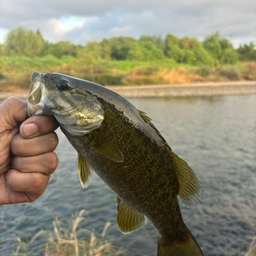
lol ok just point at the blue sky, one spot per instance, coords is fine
(82, 21)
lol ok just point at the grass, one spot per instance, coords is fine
(67, 240)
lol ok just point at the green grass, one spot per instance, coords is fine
(22, 64)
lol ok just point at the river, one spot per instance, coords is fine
(215, 135)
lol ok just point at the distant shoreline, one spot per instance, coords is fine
(171, 90)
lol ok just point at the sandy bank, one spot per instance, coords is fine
(195, 89)
(172, 90)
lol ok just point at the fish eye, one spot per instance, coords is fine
(63, 85)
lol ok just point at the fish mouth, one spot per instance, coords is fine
(37, 97)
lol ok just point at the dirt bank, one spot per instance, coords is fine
(171, 90)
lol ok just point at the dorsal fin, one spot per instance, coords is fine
(128, 219)
(189, 187)
(148, 121)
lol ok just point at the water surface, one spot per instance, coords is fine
(215, 135)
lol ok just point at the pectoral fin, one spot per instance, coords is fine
(189, 188)
(127, 218)
(84, 171)
(106, 148)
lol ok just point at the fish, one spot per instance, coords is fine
(122, 145)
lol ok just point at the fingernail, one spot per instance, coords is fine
(30, 129)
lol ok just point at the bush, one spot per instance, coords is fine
(204, 71)
(231, 73)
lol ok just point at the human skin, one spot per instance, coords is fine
(26, 152)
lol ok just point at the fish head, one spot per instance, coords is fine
(75, 109)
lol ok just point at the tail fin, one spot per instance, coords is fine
(188, 247)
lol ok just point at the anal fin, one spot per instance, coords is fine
(84, 171)
(128, 219)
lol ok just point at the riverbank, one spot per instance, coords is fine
(171, 90)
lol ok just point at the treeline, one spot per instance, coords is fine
(213, 51)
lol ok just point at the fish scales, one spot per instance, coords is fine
(129, 155)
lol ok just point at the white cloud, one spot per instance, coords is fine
(81, 21)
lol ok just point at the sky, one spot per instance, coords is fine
(82, 21)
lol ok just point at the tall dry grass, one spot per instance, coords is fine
(73, 241)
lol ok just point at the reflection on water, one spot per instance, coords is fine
(215, 135)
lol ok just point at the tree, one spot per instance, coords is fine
(156, 40)
(174, 52)
(21, 41)
(105, 49)
(62, 48)
(92, 50)
(247, 52)
(220, 49)
(120, 46)
(170, 41)
(144, 51)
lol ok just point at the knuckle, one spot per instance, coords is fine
(53, 140)
(51, 162)
(38, 183)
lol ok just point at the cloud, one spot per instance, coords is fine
(81, 21)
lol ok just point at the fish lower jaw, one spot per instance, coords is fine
(36, 110)
(79, 130)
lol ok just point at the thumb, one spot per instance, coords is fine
(12, 112)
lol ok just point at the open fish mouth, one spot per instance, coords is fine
(37, 97)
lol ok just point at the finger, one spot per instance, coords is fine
(44, 163)
(33, 184)
(38, 125)
(12, 112)
(34, 146)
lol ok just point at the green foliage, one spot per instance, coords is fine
(221, 50)
(22, 63)
(202, 57)
(60, 49)
(144, 51)
(105, 49)
(188, 51)
(91, 51)
(174, 52)
(187, 43)
(156, 40)
(229, 56)
(3, 50)
(24, 42)
(247, 52)
(120, 46)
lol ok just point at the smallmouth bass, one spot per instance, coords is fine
(121, 144)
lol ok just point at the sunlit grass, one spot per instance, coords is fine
(67, 240)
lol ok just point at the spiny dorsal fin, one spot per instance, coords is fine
(106, 148)
(148, 121)
(127, 218)
(84, 171)
(189, 187)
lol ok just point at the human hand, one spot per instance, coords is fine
(26, 152)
